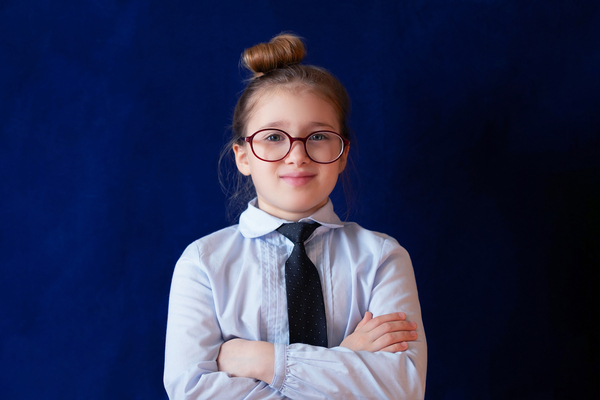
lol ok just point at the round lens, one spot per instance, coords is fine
(271, 145)
(324, 147)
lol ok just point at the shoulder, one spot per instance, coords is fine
(361, 242)
(354, 232)
(208, 250)
(215, 240)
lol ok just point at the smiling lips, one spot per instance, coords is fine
(297, 178)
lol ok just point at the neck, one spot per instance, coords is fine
(289, 215)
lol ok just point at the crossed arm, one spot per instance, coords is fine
(255, 359)
(381, 358)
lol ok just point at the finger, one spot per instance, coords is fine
(395, 337)
(384, 336)
(396, 347)
(391, 339)
(375, 322)
(368, 316)
(392, 326)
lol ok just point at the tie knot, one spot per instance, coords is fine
(298, 232)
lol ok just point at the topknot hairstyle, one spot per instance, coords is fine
(282, 51)
(276, 66)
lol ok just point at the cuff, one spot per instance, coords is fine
(279, 367)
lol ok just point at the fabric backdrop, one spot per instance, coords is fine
(477, 146)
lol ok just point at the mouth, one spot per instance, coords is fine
(297, 178)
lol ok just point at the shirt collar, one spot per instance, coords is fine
(254, 222)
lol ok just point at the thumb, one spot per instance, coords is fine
(368, 316)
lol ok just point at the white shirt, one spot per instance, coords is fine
(231, 284)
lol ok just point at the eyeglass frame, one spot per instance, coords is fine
(248, 139)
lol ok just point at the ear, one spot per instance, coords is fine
(344, 159)
(241, 158)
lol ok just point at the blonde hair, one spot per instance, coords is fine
(276, 65)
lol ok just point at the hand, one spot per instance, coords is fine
(388, 332)
(247, 358)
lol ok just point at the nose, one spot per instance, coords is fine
(297, 154)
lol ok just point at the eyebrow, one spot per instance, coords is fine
(284, 123)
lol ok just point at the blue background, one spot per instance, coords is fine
(478, 148)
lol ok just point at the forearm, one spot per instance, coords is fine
(191, 372)
(247, 358)
(307, 372)
(194, 385)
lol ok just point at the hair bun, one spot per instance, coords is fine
(283, 50)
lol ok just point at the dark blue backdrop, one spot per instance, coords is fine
(478, 143)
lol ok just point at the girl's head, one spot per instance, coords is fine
(300, 101)
(275, 66)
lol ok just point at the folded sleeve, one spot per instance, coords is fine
(194, 338)
(310, 372)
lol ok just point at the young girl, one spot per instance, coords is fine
(242, 324)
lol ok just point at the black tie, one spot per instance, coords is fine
(306, 310)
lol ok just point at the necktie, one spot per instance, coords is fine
(306, 309)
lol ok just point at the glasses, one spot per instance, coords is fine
(270, 145)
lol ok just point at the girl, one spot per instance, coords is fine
(241, 324)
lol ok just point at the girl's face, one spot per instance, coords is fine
(295, 187)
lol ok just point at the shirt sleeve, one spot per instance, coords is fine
(194, 339)
(311, 372)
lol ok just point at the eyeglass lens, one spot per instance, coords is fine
(322, 147)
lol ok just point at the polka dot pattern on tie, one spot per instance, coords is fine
(306, 309)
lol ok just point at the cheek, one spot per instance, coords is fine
(333, 174)
(262, 173)
(255, 165)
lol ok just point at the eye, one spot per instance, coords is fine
(272, 136)
(318, 136)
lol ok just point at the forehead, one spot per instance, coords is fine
(295, 108)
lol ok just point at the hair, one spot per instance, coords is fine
(276, 65)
